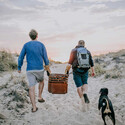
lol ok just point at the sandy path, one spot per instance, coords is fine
(65, 109)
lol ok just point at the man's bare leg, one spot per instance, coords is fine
(41, 86)
(32, 97)
(85, 88)
(80, 93)
(79, 90)
(82, 88)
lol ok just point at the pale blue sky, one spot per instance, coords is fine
(61, 23)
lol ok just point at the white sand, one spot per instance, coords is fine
(65, 109)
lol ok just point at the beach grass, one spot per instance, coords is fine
(7, 61)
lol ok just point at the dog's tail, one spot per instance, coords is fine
(106, 103)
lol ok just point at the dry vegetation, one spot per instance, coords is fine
(99, 70)
(14, 97)
(14, 90)
(7, 61)
(111, 65)
(55, 62)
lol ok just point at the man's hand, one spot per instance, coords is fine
(93, 72)
(19, 71)
(67, 69)
(47, 70)
(48, 74)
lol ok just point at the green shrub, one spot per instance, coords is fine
(113, 74)
(98, 70)
(3, 86)
(123, 55)
(107, 76)
(116, 75)
(18, 96)
(7, 61)
(2, 66)
(13, 65)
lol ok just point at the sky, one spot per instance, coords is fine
(62, 23)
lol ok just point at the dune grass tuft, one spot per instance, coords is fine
(7, 61)
(99, 70)
(113, 74)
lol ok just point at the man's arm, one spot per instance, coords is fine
(91, 60)
(71, 59)
(93, 72)
(92, 64)
(20, 59)
(45, 57)
(46, 61)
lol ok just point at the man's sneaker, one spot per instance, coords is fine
(86, 98)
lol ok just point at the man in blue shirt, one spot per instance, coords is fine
(35, 52)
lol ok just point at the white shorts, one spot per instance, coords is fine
(35, 76)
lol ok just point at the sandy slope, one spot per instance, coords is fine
(66, 109)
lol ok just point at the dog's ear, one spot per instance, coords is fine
(100, 91)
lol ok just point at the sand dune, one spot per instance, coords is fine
(59, 109)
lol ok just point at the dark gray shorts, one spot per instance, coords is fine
(35, 76)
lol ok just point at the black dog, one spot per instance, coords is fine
(105, 106)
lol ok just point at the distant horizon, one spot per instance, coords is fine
(93, 55)
(65, 61)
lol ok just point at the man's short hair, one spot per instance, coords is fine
(33, 34)
(81, 43)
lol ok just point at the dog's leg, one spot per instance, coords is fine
(100, 111)
(103, 117)
(112, 117)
